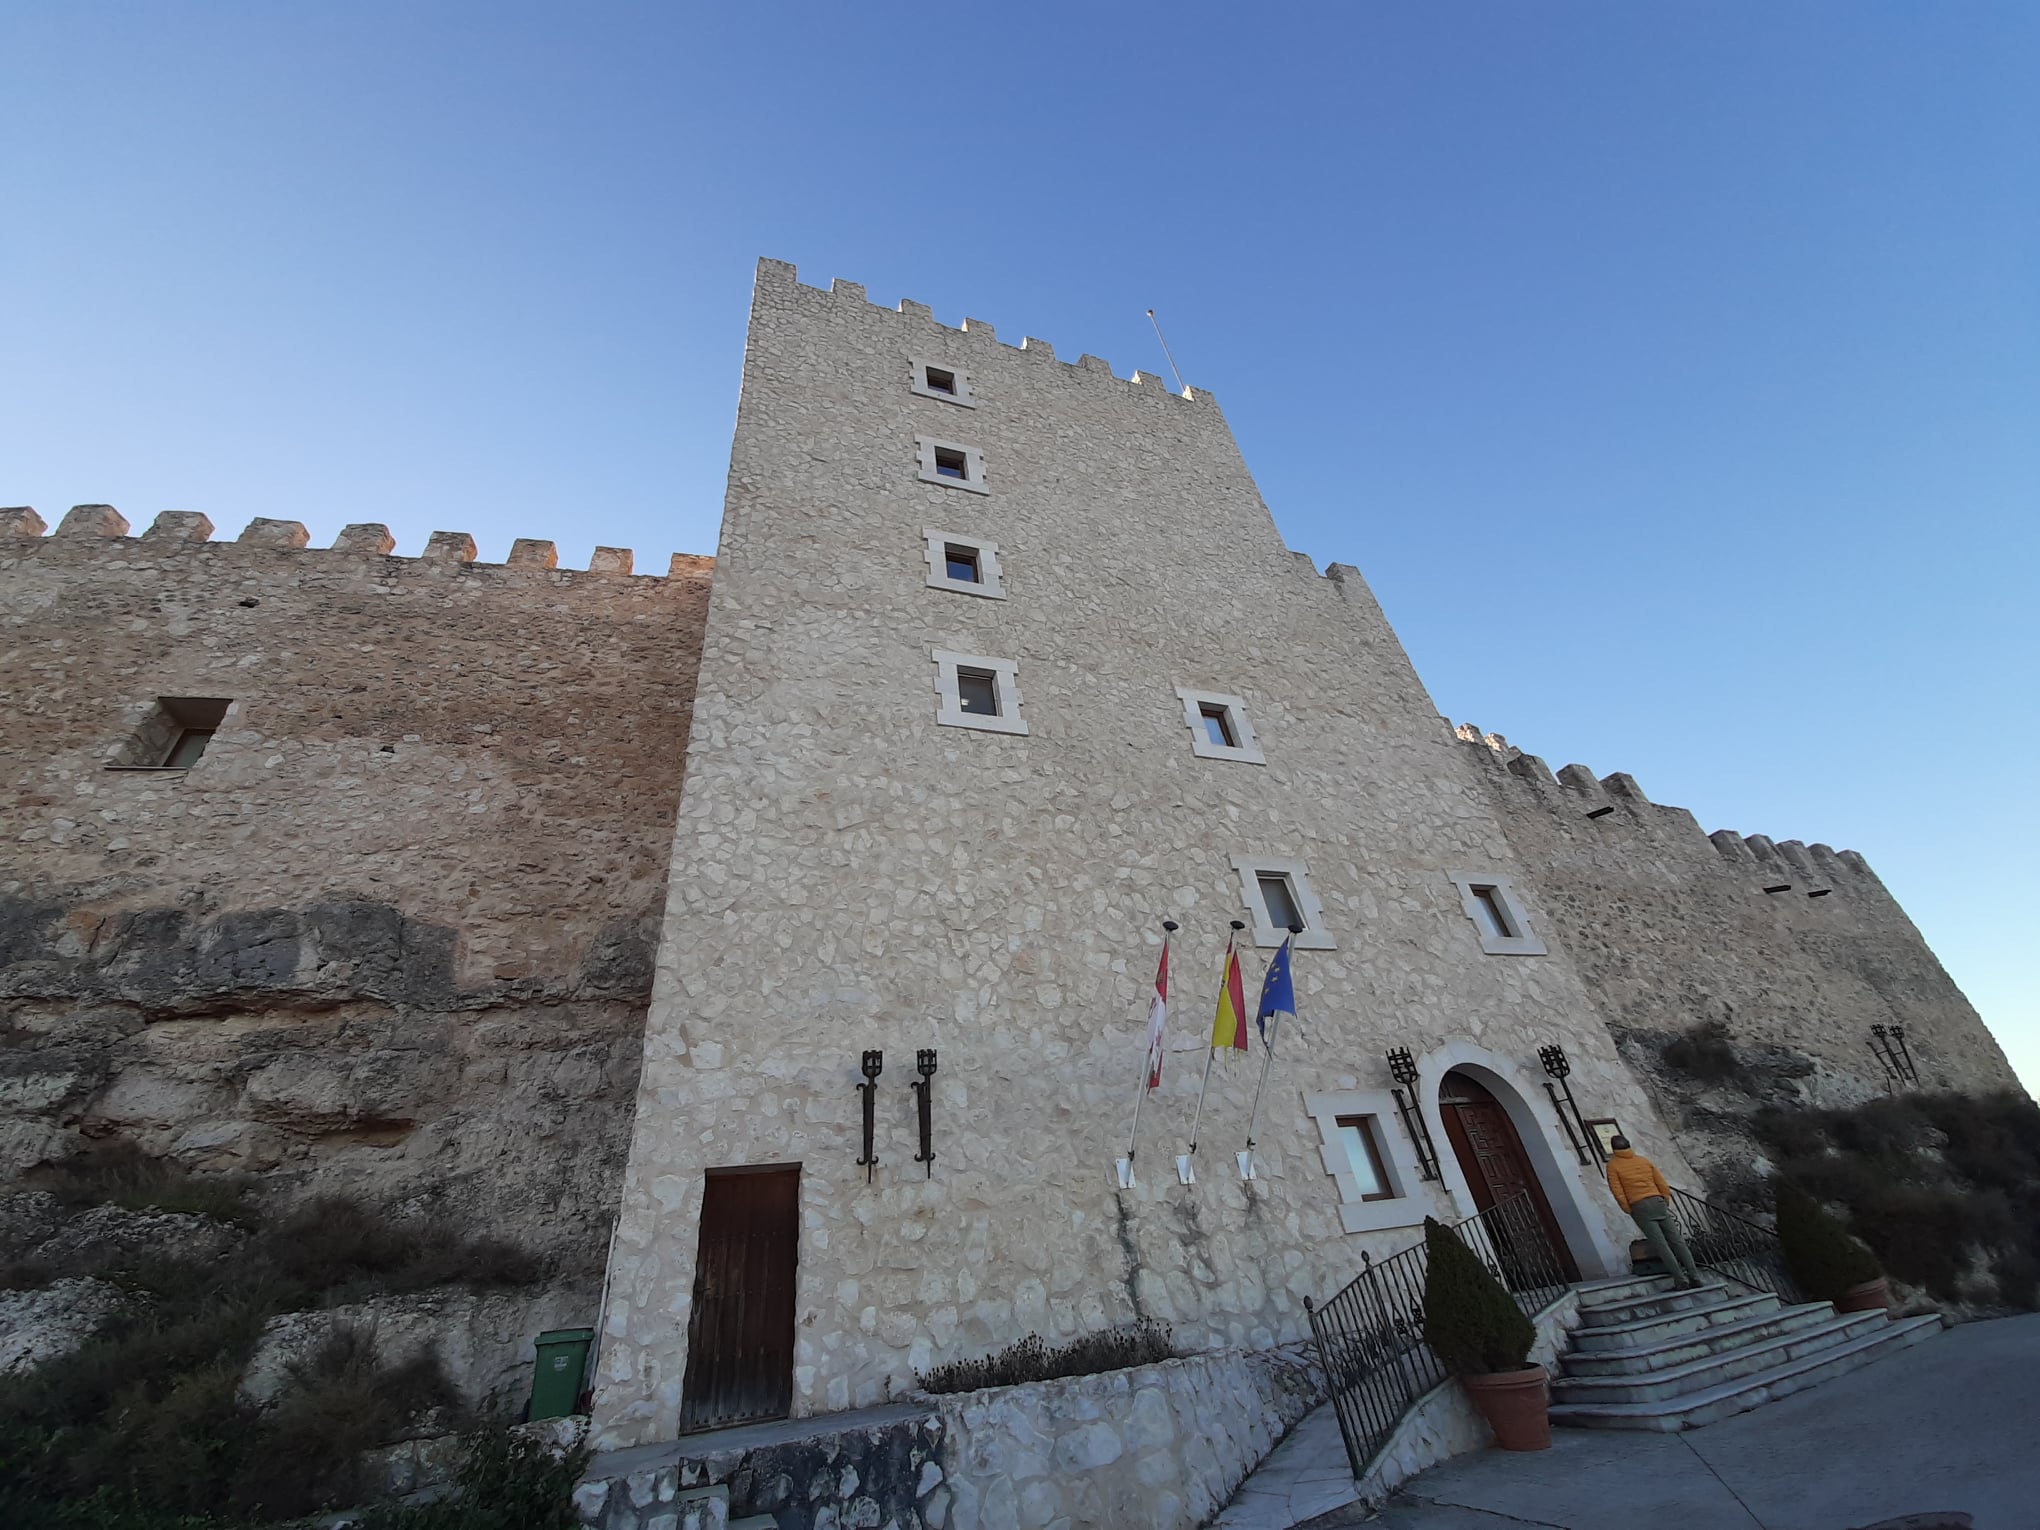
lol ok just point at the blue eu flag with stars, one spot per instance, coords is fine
(1278, 995)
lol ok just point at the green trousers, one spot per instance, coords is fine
(1653, 1215)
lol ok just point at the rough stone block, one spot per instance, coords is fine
(21, 521)
(450, 547)
(265, 532)
(179, 526)
(610, 560)
(92, 521)
(369, 537)
(530, 552)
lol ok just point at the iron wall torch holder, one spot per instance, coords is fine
(874, 1064)
(1888, 1042)
(1559, 1087)
(924, 1087)
(1403, 1068)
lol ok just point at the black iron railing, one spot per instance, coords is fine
(1746, 1252)
(1370, 1336)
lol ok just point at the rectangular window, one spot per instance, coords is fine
(1496, 913)
(1280, 900)
(961, 563)
(939, 381)
(1218, 726)
(977, 691)
(1363, 1155)
(951, 464)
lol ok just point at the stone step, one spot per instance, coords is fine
(1680, 1348)
(1621, 1288)
(1732, 1361)
(1653, 1304)
(1692, 1320)
(1694, 1409)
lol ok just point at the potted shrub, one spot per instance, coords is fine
(1476, 1329)
(1825, 1262)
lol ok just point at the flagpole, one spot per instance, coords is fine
(1267, 1062)
(1211, 1053)
(1146, 1071)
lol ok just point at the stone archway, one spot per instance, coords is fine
(1581, 1229)
(1492, 1158)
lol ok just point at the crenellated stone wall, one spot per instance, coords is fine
(392, 934)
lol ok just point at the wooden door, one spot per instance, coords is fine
(1491, 1156)
(740, 1335)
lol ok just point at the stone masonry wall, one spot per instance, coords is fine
(848, 874)
(1671, 927)
(392, 934)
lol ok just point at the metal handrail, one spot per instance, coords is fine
(1370, 1335)
(1747, 1252)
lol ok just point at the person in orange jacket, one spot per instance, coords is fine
(1642, 1192)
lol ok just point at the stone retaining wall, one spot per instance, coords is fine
(1158, 1445)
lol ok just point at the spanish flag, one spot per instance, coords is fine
(1229, 1029)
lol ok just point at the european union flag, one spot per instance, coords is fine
(1278, 994)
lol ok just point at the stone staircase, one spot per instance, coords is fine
(1648, 1356)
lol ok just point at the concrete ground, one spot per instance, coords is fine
(1950, 1425)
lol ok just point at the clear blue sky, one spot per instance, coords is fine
(1672, 372)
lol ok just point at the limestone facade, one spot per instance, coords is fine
(850, 873)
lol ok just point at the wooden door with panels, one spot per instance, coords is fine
(1492, 1159)
(740, 1332)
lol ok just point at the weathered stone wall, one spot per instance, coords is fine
(392, 934)
(1797, 949)
(1160, 1446)
(848, 874)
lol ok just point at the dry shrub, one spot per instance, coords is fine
(118, 1173)
(1032, 1359)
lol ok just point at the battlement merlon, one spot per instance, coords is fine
(783, 276)
(1811, 866)
(180, 531)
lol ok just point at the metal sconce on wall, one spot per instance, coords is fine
(874, 1064)
(1888, 1042)
(1585, 1145)
(923, 1087)
(1403, 1069)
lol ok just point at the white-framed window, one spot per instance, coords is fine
(976, 692)
(1218, 726)
(1277, 893)
(952, 465)
(968, 565)
(1497, 914)
(1369, 1159)
(938, 379)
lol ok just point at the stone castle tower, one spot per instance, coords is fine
(345, 870)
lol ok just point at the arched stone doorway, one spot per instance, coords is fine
(1492, 1157)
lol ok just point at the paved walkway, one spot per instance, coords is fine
(1951, 1424)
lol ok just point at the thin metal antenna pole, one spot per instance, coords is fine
(1181, 386)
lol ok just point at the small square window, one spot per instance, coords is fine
(1490, 902)
(1218, 725)
(951, 464)
(940, 380)
(977, 690)
(1277, 895)
(1363, 1158)
(965, 564)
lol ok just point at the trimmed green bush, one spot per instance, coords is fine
(1471, 1322)
(1824, 1260)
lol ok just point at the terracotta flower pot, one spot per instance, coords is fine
(1516, 1406)
(1871, 1296)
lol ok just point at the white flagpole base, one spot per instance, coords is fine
(1246, 1166)
(1126, 1173)
(1184, 1172)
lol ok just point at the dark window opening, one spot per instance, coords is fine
(939, 381)
(977, 691)
(173, 735)
(962, 563)
(951, 464)
(1497, 911)
(1218, 725)
(190, 745)
(1280, 900)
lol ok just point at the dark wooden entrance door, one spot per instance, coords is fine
(1491, 1156)
(740, 1336)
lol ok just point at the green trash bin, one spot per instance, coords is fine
(556, 1377)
